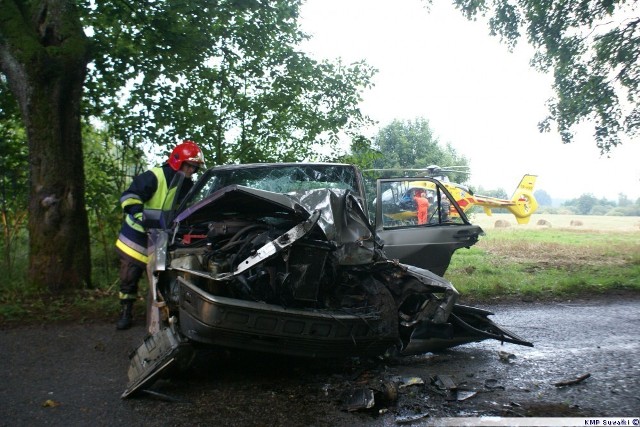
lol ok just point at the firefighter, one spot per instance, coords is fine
(144, 199)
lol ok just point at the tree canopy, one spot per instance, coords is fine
(412, 144)
(227, 74)
(593, 49)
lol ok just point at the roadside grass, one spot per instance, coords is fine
(546, 263)
(22, 303)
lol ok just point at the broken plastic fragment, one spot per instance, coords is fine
(359, 399)
(444, 382)
(409, 381)
(464, 395)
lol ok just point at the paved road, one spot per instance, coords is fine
(69, 375)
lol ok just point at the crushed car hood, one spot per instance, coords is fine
(353, 236)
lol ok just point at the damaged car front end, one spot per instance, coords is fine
(284, 259)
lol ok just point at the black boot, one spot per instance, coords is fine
(126, 315)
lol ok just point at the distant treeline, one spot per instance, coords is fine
(587, 204)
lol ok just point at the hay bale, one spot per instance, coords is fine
(576, 223)
(543, 223)
(502, 223)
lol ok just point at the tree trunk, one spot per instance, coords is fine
(44, 54)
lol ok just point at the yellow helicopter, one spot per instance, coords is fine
(522, 203)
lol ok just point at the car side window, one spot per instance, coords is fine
(410, 203)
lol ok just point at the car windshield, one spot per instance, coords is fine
(277, 178)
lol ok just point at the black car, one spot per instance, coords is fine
(289, 258)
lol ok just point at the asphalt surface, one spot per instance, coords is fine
(72, 374)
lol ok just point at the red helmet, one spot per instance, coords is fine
(189, 152)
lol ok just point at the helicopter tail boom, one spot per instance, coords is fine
(522, 204)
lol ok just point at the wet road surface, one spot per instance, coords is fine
(68, 375)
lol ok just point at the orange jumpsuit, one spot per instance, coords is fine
(423, 209)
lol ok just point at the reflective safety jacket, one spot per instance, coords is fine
(142, 204)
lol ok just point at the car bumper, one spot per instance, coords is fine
(257, 326)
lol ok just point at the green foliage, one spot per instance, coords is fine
(361, 154)
(592, 48)
(14, 169)
(587, 204)
(106, 166)
(412, 144)
(623, 200)
(229, 75)
(633, 210)
(26, 305)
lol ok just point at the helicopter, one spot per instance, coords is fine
(522, 203)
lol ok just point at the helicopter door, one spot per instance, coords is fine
(420, 222)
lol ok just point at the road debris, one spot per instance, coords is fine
(406, 419)
(409, 381)
(572, 382)
(506, 356)
(492, 384)
(50, 403)
(444, 382)
(388, 393)
(464, 395)
(359, 399)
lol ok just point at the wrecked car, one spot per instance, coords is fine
(292, 259)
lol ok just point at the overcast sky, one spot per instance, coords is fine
(476, 95)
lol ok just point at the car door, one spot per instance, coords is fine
(418, 232)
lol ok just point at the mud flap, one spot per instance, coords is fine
(155, 356)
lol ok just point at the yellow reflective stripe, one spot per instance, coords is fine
(127, 296)
(135, 244)
(131, 252)
(131, 223)
(131, 201)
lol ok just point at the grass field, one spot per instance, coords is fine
(599, 254)
(588, 222)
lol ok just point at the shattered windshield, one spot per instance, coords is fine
(284, 178)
